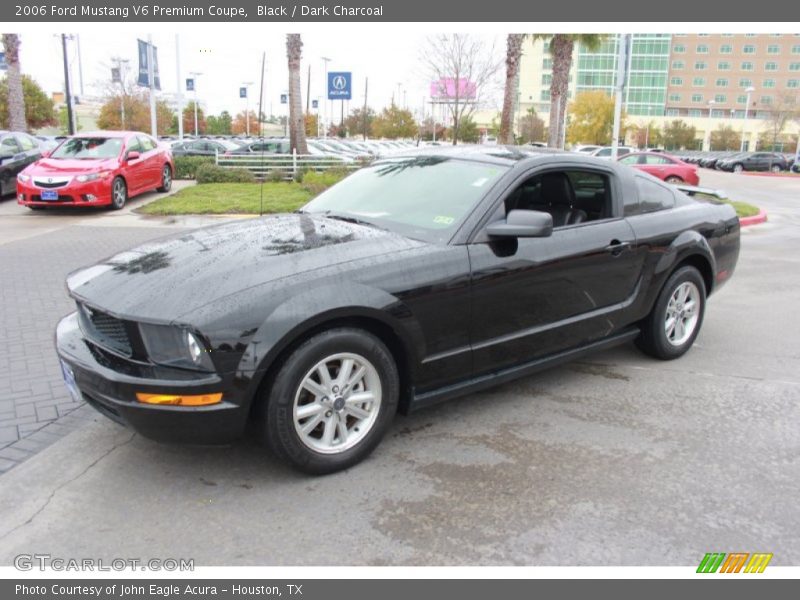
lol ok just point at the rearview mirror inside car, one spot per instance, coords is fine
(522, 223)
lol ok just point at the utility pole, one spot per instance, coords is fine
(195, 75)
(247, 85)
(180, 86)
(328, 109)
(67, 93)
(80, 62)
(261, 94)
(622, 63)
(366, 89)
(308, 92)
(151, 79)
(121, 63)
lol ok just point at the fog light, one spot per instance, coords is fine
(179, 400)
(90, 197)
(21, 197)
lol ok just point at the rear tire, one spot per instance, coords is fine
(674, 180)
(674, 323)
(331, 402)
(738, 168)
(776, 169)
(119, 193)
(166, 179)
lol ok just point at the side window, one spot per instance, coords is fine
(146, 143)
(655, 160)
(571, 197)
(134, 145)
(26, 143)
(653, 196)
(630, 160)
(604, 152)
(9, 146)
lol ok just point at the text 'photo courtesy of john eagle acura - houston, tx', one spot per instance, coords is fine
(419, 278)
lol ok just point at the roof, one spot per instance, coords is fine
(107, 134)
(506, 155)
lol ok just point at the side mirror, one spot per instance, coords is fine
(522, 223)
(133, 155)
(45, 153)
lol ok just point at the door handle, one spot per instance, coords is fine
(615, 248)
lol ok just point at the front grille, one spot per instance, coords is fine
(105, 330)
(61, 198)
(52, 182)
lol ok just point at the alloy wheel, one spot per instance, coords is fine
(682, 313)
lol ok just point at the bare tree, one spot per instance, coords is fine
(784, 109)
(297, 128)
(513, 57)
(16, 97)
(462, 66)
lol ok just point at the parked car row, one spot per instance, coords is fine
(739, 161)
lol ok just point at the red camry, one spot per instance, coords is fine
(665, 167)
(97, 169)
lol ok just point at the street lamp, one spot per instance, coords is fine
(325, 61)
(707, 140)
(195, 75)
(121, 63)
(247, 85)
(749, 91)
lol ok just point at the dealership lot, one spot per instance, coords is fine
(617, 459)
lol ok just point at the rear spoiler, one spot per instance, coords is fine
(691, 190)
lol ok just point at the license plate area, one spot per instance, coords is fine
(69, 381)
(49, 195)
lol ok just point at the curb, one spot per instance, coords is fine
(761, 217)
(768, 174)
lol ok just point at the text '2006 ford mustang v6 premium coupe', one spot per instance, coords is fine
(414, 280)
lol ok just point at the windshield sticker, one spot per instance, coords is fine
(443, 220)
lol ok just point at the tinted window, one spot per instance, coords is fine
(147, 143)
(656, 160)
(8, 146)
(630, 160)
(421, 197)
(26, 142)
(653, 196)
(88, 148)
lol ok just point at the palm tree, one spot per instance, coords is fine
(562, 46)
(297, 127)
(16, 98)
(513, 56)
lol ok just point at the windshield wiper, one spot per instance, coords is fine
(349, 219)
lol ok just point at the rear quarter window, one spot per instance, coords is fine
(653, 195)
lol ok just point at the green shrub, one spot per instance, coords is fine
(211, 173)
(186, 166)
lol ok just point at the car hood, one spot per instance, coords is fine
(66, 166)
(162, 280)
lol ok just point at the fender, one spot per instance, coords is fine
(297, 315)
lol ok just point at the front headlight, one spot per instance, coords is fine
(175, 347)
(23, 178)
(92, 176)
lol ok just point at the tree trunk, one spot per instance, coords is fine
(561, 47)
(513, 55)
(297, 128)
(16, 97)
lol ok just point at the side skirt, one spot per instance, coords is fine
(499, 377)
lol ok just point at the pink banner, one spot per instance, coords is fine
(446, 88)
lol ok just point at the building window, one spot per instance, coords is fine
(745, 83)
(674, 97)
(796, 49)
(773, 49)
(774, 35)
(794, 66)
(702, 49)
(747, 66)
(695, 112)
(765, 100)
(749, 35)
(700, 65)
(673, 112)
(547, 63)
(762, 114)
(771, 66)
(741, 99)
(676, 81)
(678, 65)
(793, 83)
(545, 96)
(547, 78)
(722, 82)
(725, 49)
(697, 98)
(749, 49)
(699, 81)
(769, 83)
(724, 65)
(720, 98)
(679, 49)
(718, 113)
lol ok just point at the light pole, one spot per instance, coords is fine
(325, 61)
(195, 75)
(749, 91)
(707, 137)
(121, 64)
(247, 85)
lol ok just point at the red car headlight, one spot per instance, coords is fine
(92, 176)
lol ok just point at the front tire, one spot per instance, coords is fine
(331, 402)
(119, 193)
(776, 169)
(738, 168)
(674, 323)
(674, 180)
(166, 179)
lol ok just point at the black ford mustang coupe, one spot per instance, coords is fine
(414, 280)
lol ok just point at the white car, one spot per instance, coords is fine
(605, 152)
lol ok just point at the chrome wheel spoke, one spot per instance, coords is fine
(325, 376)
(311, 424)
(357, 412)
(314, 388)
(341, 428)
(309, 410)
(344, 372)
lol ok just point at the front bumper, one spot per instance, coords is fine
(91, 193)
(109, 384)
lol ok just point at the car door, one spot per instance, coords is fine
(537, 296)
(30, 147)
(134, 169)
(152, 162)
(12, 161)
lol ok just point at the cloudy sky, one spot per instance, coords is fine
(229, 55)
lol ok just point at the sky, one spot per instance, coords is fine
(227, 56)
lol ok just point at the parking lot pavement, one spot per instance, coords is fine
(37, 251)
(614, 460)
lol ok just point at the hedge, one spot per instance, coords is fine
(186, 166)
(211, 173)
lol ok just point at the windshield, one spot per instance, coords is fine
(421, 197)
(89, 148)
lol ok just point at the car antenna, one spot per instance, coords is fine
(261, 134)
